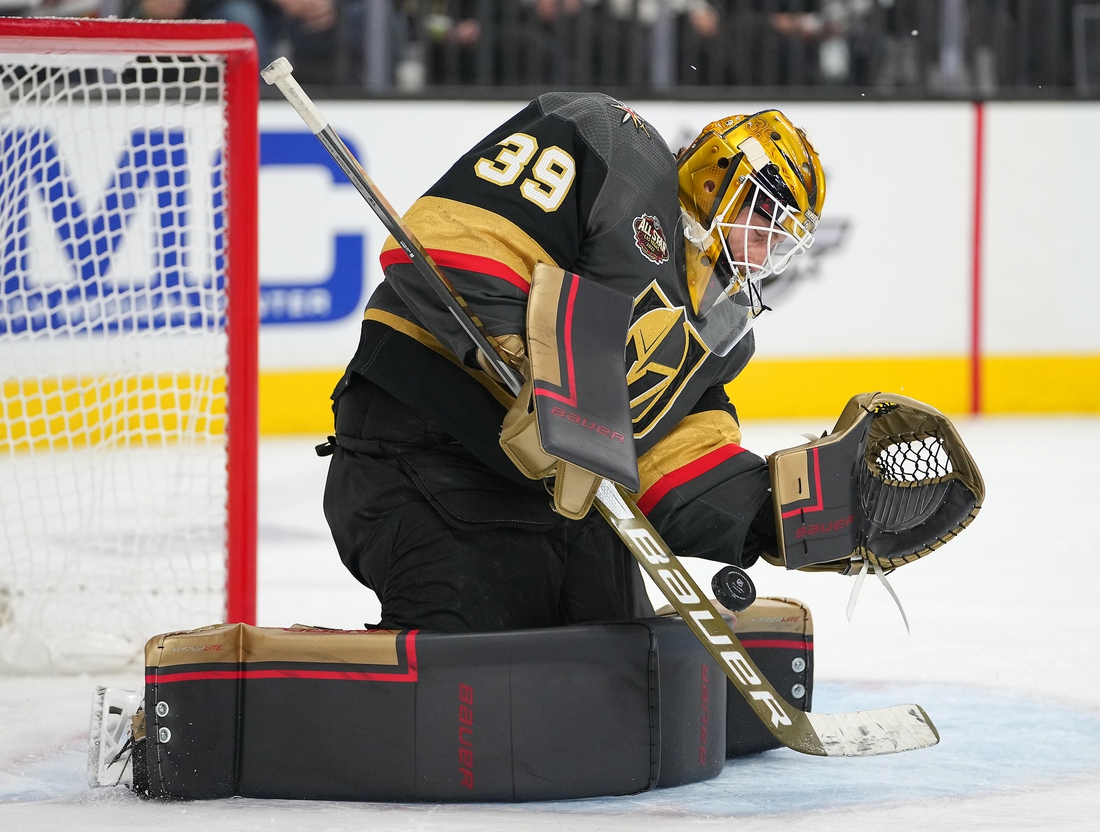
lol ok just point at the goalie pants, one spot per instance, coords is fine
(449, 545)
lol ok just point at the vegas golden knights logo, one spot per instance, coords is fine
(663, 352)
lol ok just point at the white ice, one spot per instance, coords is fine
(1001, 656)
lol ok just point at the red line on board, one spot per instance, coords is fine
(976, 263)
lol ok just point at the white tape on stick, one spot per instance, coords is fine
(279, 72)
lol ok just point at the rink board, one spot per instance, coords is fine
(886, 300)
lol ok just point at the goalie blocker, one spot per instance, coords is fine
(892, 483)
(568, 712)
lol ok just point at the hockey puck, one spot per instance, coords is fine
(733, 588)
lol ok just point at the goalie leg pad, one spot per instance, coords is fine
(567, 712)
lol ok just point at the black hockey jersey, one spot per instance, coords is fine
(579, 181)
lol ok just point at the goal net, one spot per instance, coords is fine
(127, 336)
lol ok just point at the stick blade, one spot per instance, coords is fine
(870, 733)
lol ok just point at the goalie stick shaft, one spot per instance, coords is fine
(865, 733)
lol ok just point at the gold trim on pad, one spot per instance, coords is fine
(241, 644)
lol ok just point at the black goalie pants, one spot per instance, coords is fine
(447, 544)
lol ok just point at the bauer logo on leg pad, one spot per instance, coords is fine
(466, 734)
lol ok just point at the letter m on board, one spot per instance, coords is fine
(153, 162)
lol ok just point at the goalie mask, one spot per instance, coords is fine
(751, 193)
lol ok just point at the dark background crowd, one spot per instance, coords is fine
(813, 48)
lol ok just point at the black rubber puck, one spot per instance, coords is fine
(733, 588)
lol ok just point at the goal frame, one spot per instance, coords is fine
(236, 43)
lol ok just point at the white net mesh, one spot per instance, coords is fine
(112, 354)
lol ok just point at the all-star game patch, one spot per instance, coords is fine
(649, 237)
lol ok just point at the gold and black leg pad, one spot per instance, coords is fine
(519, 715)
(569, 712)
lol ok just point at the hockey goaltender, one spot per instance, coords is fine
(568, 240)
(436, 512)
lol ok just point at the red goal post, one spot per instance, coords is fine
(161, 259)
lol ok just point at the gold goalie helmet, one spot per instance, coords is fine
(751, 192)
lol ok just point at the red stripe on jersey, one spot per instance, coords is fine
(683, 474)
(465, 262)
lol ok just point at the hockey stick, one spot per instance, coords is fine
(859, 734)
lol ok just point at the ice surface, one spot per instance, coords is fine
(1001, 657)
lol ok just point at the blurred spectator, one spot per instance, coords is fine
(49, 8)
(699, 14)
(627, 50)
(438, 40)
(549, 11)
(841, 29)
(310, 30)
(308, 25)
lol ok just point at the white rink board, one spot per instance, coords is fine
(1042, 272)
(902, 179)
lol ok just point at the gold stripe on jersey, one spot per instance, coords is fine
(697, 435)
(455, 226)
(422, 335)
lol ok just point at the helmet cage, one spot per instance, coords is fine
(764, 239)
(750, 190)
(768, 235)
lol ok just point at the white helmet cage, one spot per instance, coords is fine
(762, 238)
